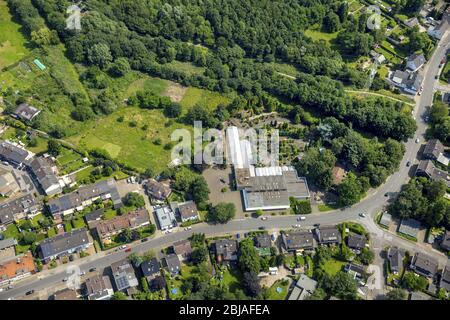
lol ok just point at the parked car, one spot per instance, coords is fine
(71, 257)
(128, 250)
(408, 163)
(122, 247)
(262, 228)
(417, 140)
(264, 218)
(302, 218)
(65, 279)
(238, 236)
(29, 292)
(362, 215)
(144, 240)
(93, 269)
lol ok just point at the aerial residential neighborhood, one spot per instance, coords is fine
(225, 150)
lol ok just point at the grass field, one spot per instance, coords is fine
(209, 99)
(318, 35)
(187, 67)
(131, 145)
(274, 295)
(333, 266)
(13, 45)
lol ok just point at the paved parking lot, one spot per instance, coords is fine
(213, 177)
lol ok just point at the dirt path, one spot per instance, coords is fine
(380, 95)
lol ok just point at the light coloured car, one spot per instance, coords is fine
(263, 218)
(417, 140)
(362, 215)
(123, 247)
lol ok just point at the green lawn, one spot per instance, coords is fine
(207, 98)
(333, 266)
(186, 67)
(274, 295)
(13, 45)
(327, 207)
(131, 145)
(319, 35)
(109, 214)
(11, 231)
(144, 82)
(232, 278)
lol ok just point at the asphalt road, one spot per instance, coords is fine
(371, 205)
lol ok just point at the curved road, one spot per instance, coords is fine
(371, 205)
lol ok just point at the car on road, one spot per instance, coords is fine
(144, 240)
(273, 237)
(302, 218)
(128, 250)
(436, 76)
(264, 218)
(362, 215)
(238, 236)
(408, 163)
(262, 228)
(222, 180)
(296, 226)
(71, 257)
(417, 140)
(386, 194)
(93, 269)
(317, 225)
(65, 279)
(82, 273)
(29, 292)
(122, 247)
(188, 228)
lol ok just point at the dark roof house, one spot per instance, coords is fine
(328, 235)
(424, 265)
(445, 242)
(356, 241)
(263, 241)
(415, 62)
(150, 268)
(63, 244)
(409, 227)
(298, 240)
(226, 250)
(433, 149)
(123, 275)
(45, 173)
(395, 258)
(172, 263)
(445, 279)
(18, 208)
(426, 168)
(13, 153)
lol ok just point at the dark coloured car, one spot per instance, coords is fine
(29, 292)
(71, 257)
(92, 269)
(408, 163)
(144, 240)
(262, 228)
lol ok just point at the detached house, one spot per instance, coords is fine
(395, 258)
(424, 265)
(298, 240)
(157, 190)
(328, 235)
(150, 269)
(434, 150)
(183, 249)
(409, 82)
(356, 242)
(187, 211)
(124, 277)
(26, 112)
(426, 168)
(226, 250)
(415, 62)
(172, 264)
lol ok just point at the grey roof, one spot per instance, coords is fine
(445, 279)
(356, 241)
(419, 296)
(357, 269)
(416, 59)
(13, 153)
(433, 149)
(298, 240)
(263, 240)
(76, 198)
(271, 191)
(410, 227)
(424, 265)
(328, 234)
(132, 220)
(304, 287)
(166, 217)
(7, 243)
(22, 205)
(123, 274)
(172, 263)
(150, 267)
(386, 219)
(26, 112)
(226, 249)
(43, 170)
(428, 169)
(63, 243)
(395, 257)
(94, 215)
(445, 243)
